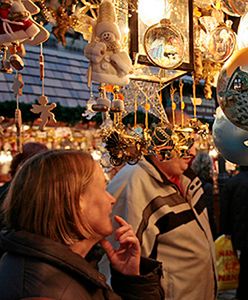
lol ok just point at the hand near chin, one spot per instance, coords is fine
(126, 259)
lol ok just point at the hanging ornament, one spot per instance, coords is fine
(164, 45)
(240, 7)
(182, 138)
(198, 65)
(103, 104)
(232, 89)
(221, 43)
(17, 89)
(15, 60)
(162, 143)
(18, 123)
(1, 127)
(18, 85)
(225, 6)
(173, 104)
(182, 103)
(123, 147)
(17, 25)
(64, 21)
(117, 104)
(230, 140)
(108, 62)
(89, 112)
(5, 66)
(43, 108)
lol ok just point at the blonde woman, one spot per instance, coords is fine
(56, 211)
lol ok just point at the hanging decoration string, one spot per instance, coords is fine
(42, 69)
(162, 114)
(43, 108)
(135, 110)
(194, 96)
(17, 88)
(173, 103)
(147, 108)
(182, 102)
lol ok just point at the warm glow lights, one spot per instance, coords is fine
(151, 12)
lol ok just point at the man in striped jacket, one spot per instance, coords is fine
(163, 202)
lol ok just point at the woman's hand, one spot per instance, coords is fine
(126, 259)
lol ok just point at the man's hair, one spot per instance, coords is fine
(202, 165)
(29, 149)
(44, 196)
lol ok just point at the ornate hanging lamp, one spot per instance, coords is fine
(161, 41)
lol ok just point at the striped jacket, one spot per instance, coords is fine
(171, 228)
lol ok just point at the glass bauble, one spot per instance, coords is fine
(164, 45)
(232, 89)
(240, 7)
(221, 43)
(230, 140)
(227, 8)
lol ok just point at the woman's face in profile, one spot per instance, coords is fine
(97, 203)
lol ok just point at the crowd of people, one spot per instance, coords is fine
(147, 234)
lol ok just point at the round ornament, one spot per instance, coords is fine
(227, 8)
(164, 45)
(202, 3)
(240, 7)
(221, 44)
(232, 89)
(230, 140)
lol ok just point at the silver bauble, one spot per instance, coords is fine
(230, 140)
(232, 88)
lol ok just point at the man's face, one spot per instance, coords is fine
(175, 166)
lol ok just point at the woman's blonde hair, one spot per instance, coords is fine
(44, 196)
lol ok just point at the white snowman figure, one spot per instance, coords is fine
(109, 63)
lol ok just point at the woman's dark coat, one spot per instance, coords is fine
(34, 266)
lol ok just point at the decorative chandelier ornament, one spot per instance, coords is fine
(123, 147)
(150, 56)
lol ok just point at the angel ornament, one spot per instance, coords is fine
(44, 110)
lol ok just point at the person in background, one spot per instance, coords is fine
(234, 222)
(28, 150)
(56, 211)
(202, 165)
(162, 200)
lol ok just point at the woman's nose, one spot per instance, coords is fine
(112, 199)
